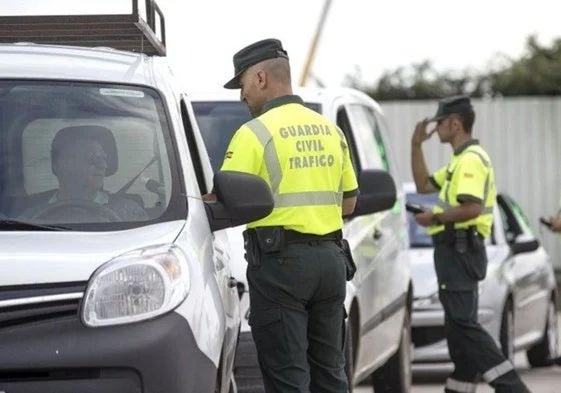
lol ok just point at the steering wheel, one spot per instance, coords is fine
(75, 208)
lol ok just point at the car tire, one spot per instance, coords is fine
(349, 352)
(506, 336)
(543, 353)
(395, 375)
(246, 366)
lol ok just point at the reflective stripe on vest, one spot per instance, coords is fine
(274, 170)
(459, 386)
(497, 371)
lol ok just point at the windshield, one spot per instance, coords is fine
(218, 120)
(418, 236)
(85, 156)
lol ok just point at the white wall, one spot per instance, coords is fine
(523, 138)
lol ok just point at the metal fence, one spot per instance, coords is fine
(523, 138)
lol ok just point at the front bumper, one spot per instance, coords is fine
(62, 356)
(428, 334)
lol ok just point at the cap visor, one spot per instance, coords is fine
(234, 83)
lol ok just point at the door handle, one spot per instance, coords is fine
(377, 235)
(232, 282)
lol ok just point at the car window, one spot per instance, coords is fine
(219, 120)
(368, 133)
(515, 221)
(344, 124)
(418, 236)
(76, 153)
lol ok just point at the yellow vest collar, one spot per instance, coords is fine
(466, 144)
(282, 100)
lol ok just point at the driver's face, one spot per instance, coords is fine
(84, 166)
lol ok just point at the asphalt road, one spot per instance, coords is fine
(539, 380)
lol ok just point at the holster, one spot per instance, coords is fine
(475, 239)
(252, 253)
(349, 261)
(461, 241)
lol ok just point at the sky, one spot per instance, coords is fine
(363, 36)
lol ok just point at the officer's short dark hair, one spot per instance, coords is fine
(467, 119)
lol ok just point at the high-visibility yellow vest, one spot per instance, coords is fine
(305, 160)
(468, 177)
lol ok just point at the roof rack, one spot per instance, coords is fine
(128, 32)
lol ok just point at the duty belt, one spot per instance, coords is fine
(291, 236)
(449, 235)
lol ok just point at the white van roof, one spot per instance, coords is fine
(35, 61)
(118, 48)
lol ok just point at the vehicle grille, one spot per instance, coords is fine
(29, 303)
(427, 335)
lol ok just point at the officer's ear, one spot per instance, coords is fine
(261, 78)
(456, 123)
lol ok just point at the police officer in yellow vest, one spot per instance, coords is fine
(296, 266)
(458, 224)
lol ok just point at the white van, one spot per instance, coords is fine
(114, 275)
(379, 298)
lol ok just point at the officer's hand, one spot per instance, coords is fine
(555, 224)
(424, 219)
(421, 134)
(209, 198)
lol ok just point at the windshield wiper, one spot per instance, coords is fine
(15, 225)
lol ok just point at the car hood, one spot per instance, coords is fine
(422, 272)
(48, 257)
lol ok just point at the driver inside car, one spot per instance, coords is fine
(81, 158)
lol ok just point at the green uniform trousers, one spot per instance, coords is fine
(297, 317)
(472, 350)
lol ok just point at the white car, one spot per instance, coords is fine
(125, 287)
(379, 297)
(517, 299)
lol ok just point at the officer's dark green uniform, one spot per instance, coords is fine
(461, 261)
(297, 271)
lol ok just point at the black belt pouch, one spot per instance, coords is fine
(270, 239)
(349, 261)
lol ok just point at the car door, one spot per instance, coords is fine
(221, 248)
(530, 272)
(375, 241)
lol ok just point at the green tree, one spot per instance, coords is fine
(536, 72)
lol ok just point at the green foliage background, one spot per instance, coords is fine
(536, 73)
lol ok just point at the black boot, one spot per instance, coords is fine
(509, 383)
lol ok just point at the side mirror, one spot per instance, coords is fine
(377, 192)
(524, 243)
(242, 198)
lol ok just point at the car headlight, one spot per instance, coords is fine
(135, 286)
